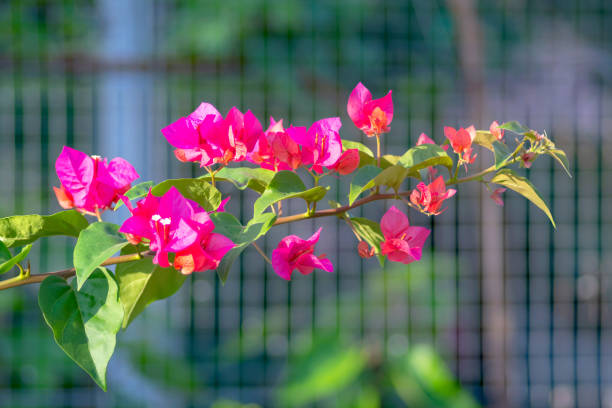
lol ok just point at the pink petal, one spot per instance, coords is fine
(424, 139)
(309, 261)
(393, 223)
(76, 171)
(385, 104)
(280, 263)
(122, 172)
(357, 100)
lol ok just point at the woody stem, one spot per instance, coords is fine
(258, 249)
(26, 279)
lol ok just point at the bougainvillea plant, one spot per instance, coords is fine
(180, 226)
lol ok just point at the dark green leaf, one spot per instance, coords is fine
(95, 245)
(521, 185)
(21, 230)
(424, 156)
(9, 264)
(5, 254)
(226, 224)
(285, 185)
(197, 190)
(361, 179)
(371, 233)
(142, 283)
(515, 127)
(502, 154)
(85, 322)
(242, 177)
(559, 155)
(139, 190)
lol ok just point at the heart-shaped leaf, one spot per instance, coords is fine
(95, 245)
(484, 138)
(226, 224)
(424, 156)
(256, 179)
(20, 230)
(7, 265)
(142, 283)
(521, 185)
(285, 185)
(84, 322)
(362, 178)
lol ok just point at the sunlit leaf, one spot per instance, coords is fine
(484, 138)
(521, 185)
(285, 185)
(20, 230)
(424, 156)
(366, 156)
(560, 157)
(515, 127)
(84, 322)
(96, 243)
(142, 283)
(198, 190)
(256, 179)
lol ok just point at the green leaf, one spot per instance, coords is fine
(226, 224)
(285, 185)
(424, 156)
(371, 233)
(20, 230)
(560, 156)
(139, 190)
(366, 156)
(515, 127)
(502, 154)
(329, 368)
(142, 283)
(256, 179)
(5, 254)
(198, 190)
(521, 185)
(85, 322)
(392, 177)
(485, 138)
(95, 245)
(10, 263)
(361, 179)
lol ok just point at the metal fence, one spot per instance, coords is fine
(519, 310)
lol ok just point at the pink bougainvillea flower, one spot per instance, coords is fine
(373, 117)
(276, 150)
(321, 144)
(364, 250)
(496, 131)
(190, 135)
(528, 158)
(173, 223)
(89, 183)
(347, 163)
(461, 142)
(293, 253)
(429, 198)
(496, 196)
(236, 135)
(221, 207)
(424, 139)
(403, 243)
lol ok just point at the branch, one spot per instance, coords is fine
(67, 273)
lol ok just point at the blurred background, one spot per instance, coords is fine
(503, 311)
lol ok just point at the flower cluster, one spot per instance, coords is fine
(90, 183)
(175, 224)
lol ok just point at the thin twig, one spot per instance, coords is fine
(258, 249)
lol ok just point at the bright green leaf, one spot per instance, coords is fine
(424, 156)
(285, 185)
(560, 156)
(502, 154)
(484, 138)
(242, 177)
(142, 283)
(521, 185)
(392, 177)
(366, 156)
(20, 230)
(139, 190)
(515, 127)
(10, 263)
(84, 322)
(371, 233)
(226, 224)
(95, 245)
(361, 179)
(197, 190)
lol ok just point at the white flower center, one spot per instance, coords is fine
(165, 221)
(156, 217)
